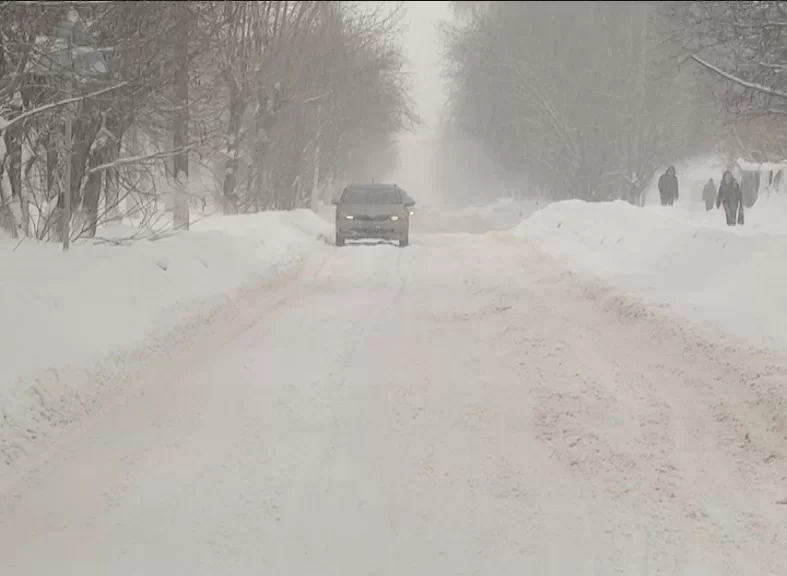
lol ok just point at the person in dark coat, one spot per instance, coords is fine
(709, 194)
(731, 197)
(668, 187)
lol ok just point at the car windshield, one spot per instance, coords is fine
(371, 196)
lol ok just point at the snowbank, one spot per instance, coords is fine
(688, 263)
(71, 322)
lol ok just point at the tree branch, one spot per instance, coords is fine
(739, 81)
(58, 104)
(136, 159)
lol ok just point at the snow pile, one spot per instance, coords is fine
(71, 322)
(691, 264)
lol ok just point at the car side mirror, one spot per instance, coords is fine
(409, 204)
(335, 202)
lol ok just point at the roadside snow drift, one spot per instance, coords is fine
(74, 322)
(688, 262)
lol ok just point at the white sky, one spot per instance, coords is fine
(423, 49)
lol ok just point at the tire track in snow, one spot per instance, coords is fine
(460, 407)
(206, 336)
(693, 460)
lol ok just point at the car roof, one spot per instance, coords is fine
(373, 186)
(377, 186)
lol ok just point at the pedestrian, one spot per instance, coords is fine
(709, 194)
(668, 187)
(731, 197)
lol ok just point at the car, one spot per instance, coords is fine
(409, 203)
(373, 211)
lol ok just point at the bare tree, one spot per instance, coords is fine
(276, 98)
(304, 76)
(582, 99)
(740, 48)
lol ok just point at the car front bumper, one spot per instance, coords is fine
(359, 229)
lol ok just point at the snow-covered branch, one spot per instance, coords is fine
(59, 104)
(737, 80)
(137, 159)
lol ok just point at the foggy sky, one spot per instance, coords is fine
(423, 50)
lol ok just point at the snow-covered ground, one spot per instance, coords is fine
(688, 262)
(81, 324)
(462, 406)
(247, 398)
(74, 326)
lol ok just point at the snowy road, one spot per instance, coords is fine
(460, 407)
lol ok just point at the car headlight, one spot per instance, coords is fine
(348, 217)
(412, 213)
(394, 218)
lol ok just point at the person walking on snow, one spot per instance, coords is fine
(731, 197)
(709, 194)
(668, 187)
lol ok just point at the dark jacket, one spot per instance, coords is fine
(668, 185)
(731, 197)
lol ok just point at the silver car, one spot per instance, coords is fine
(373, 211)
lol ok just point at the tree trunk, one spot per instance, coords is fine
(268, 104)
(25, 208)
(50, 229)
(112, 185)
(51, 165)
(91, 195)
(233, 150)
(85, 130)
(13, 163)
(13, 146)
(6, 217)
(260, 146)
(5, 221)
(314, 201)
(180, 138)
(111, 176)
